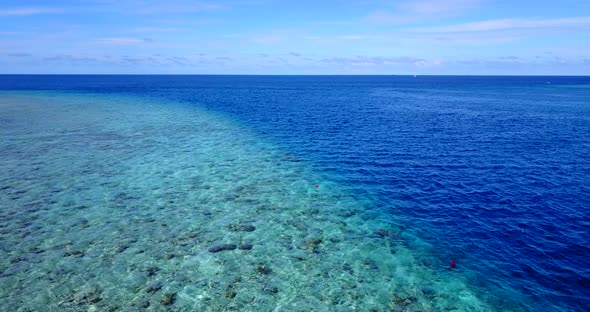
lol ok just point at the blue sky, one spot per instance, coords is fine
(296, 37)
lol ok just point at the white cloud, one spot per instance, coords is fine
(363, 60)
(151, 29)
(178, 7)
(361, 37)
(18, 54)
(269, 38)
(421, 10)
(275, 36)
(27, 11)
(11, 33)
(122, 41)
(507, 24)
(432, 7)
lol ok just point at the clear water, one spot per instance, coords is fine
(114, 188)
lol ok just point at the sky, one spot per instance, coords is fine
(395, 37)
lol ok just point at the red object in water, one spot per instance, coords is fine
(316, 186)
(453, 264)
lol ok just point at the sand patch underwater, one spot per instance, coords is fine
(124, 203)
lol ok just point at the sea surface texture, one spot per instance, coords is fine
(294, 193)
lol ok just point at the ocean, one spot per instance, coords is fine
(294, 193)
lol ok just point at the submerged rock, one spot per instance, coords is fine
(348, 268)
(37, 250)
(17, 260)
(263, 269)
(313, 245)
(121, 248)
(230, 293)
(192, 235)
(371, 264)
(169, 256)
(151, 271)
(153, 288)
(75, 253)
(270, 289)
(245, 246)
(347, 213)
(383, 233)
(223, 247)
(248, 228)
(87, 296)
(168, 298)
(241, 228)
(403, 301)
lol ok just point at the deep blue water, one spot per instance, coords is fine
(494, 172)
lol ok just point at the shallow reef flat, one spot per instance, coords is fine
(115, 203)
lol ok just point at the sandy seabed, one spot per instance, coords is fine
(115, 203)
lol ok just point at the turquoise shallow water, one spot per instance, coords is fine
(117, 202)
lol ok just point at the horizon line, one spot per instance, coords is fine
(400, 75)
